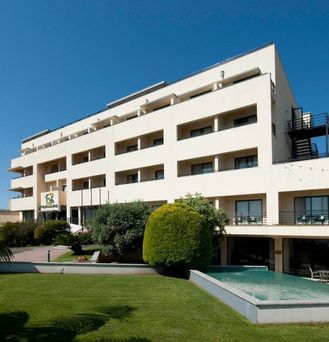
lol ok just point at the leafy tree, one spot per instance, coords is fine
(5, 252)
(119, 227)
(214, 219)
(176, 238)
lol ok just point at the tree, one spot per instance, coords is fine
(5, 252)
(119, 227)
(176, 238)
(48, 231)
(214, 219)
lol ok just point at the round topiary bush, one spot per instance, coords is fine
(176, 238)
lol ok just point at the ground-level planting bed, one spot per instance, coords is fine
(51, 307)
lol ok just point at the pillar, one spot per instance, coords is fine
(216, 124)
(272, 208)
(215, 86)
(216, 163)
(139, 175)
(79, 216)
(139, 112)
(138, 143)
(278, 257)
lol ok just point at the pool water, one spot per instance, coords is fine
(267, 285)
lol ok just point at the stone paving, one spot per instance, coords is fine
(39, 254)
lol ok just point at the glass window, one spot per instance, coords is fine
(245, 162)
(245, 121)
(157, 142)
(311, 209)
(248, 211)
(201, 131)
(159, 174)
(197, 169)
(133, 178)
(131, 148)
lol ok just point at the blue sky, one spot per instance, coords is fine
(61, 60)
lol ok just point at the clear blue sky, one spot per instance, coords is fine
(61, 60)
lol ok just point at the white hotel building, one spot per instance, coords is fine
(232, 132)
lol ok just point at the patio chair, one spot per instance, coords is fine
(316, 275)
(302, 219)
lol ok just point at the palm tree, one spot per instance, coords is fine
(5, 252)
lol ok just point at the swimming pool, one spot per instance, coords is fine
(264, 296)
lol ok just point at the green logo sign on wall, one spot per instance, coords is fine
(49, 201)
(49, 197)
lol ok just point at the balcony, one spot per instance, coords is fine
(218, 163)
(139, 143)
(22, 182)
(145, 174)
(22, 203)
(251, 218)
(88, 156)
(89, 182)
(304, 218)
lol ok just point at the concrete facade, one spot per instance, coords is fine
(221, 132)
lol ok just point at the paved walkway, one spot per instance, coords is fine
(38, 254)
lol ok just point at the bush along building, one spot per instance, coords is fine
(233, 132)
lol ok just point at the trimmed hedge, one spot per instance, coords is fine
(48, 231)
(176, 238)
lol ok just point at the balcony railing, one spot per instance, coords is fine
(308, 121)
(304, 218)
(243, 219)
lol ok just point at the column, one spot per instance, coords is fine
(217, 203)
(272, 208)
(138, 143)
(216, 124)
(79, 216)
(216, 163)
(215, 86)
(139, 175)
(278, 254)
(139, 112)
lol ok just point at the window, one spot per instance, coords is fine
(131, 148)
(245, 121)
(313, 209)
(245, 162)
(197, 169)
(158, 141)
(248, 211)
(85, 159)
(159, 174)
(201, 131)
(85, 185)
(132, 178)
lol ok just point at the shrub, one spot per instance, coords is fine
(119, 227)
(47, 232)
(17, 234)
(76, 247)
(65, 239)
(176, 238)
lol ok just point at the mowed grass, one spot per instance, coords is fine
(48, 307)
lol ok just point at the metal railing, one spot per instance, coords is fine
(304, 217)
(308, 121)
(243, 219)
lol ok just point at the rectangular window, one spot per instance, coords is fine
(248, 212)
(245, 162)
(131, 148)
(132, 178)
(312, 209)
(159, 174)
(201, 168)
(245, 121)
(201, 131)
(158, 141)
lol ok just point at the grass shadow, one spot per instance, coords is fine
(66, 329)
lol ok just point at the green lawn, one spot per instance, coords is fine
(41, 307)
(87, 251)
